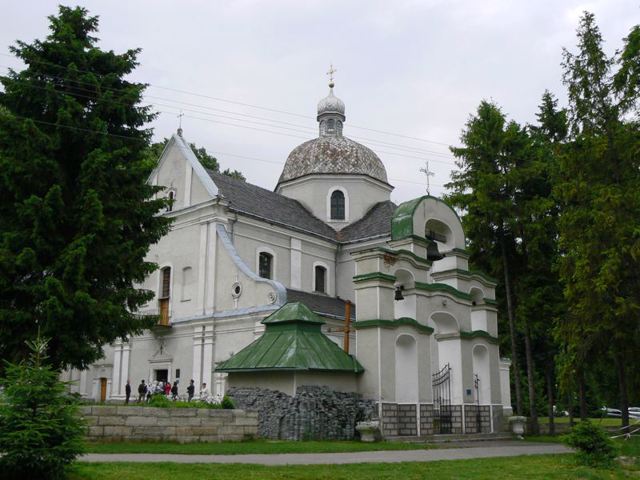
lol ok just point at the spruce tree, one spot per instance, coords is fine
(481, 188)
(599, 189)
(76, 215)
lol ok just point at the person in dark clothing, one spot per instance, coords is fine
(142, 391)
(191, 390)
(127, 392)
(174, 390)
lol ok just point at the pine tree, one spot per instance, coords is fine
(76, 215)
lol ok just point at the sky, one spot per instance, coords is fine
(247, 74)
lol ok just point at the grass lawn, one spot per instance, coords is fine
(253, 446)
(628, 448)
(539, 466)
(603, 422)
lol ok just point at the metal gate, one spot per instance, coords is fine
(441, 382)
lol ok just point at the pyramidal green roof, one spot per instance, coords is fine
(293, 312)
(292, 341)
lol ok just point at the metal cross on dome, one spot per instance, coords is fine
(428, 174)
(331, 72)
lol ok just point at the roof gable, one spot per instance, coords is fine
(179, 145)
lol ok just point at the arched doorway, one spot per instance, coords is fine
(406, 369)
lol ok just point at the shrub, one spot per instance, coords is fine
(40, 431)
(594, 446)
(227, 403)
(160, 400)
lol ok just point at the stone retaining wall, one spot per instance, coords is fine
(314, 413)
(117, 423)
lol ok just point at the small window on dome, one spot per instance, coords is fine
(337, 205)
(331, 125)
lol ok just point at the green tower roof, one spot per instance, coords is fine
(292, 341)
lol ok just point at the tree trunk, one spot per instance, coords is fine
(582, 393)
(512, 327)
(550, 396)
(570, 404)
(622, 385)
(533, 411)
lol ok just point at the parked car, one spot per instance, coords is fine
(634, 412)
(612, 412)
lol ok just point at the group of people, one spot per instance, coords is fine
(145, 391)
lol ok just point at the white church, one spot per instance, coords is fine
(422, 342)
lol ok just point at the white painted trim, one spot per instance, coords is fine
(327, 275)
(346, 204)
(343, 177)
(186, 200)
(183, 289)
(202, 266)
(211, 268)
(295, 280)
(270, 251)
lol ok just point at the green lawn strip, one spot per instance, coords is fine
(250, 447)
(603, 421)
(628, 447)
(538, 466)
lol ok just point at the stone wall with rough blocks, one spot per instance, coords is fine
(407, 420)
(426, 419)
(456, 419)
(389, 420)
(184, 425)
(498, 419)
(313, 413)
(477, 419)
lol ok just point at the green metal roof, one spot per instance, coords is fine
(292, 341)
(293, 312)
(402, 221)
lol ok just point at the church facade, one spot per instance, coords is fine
(424, 327)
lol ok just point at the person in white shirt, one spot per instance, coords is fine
(204, 392)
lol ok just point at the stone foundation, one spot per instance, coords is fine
(118, 423)
(314, 413)
(477, 419)
(401, 419)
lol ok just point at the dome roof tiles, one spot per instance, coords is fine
(332, 155)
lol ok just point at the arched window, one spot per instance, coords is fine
(165, 293)
(165, 285)
(337, 205)
(320, 279)
(265, 265)
(172, 198)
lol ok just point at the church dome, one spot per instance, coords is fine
(331, 152)
(330, 104)
(332, 155)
